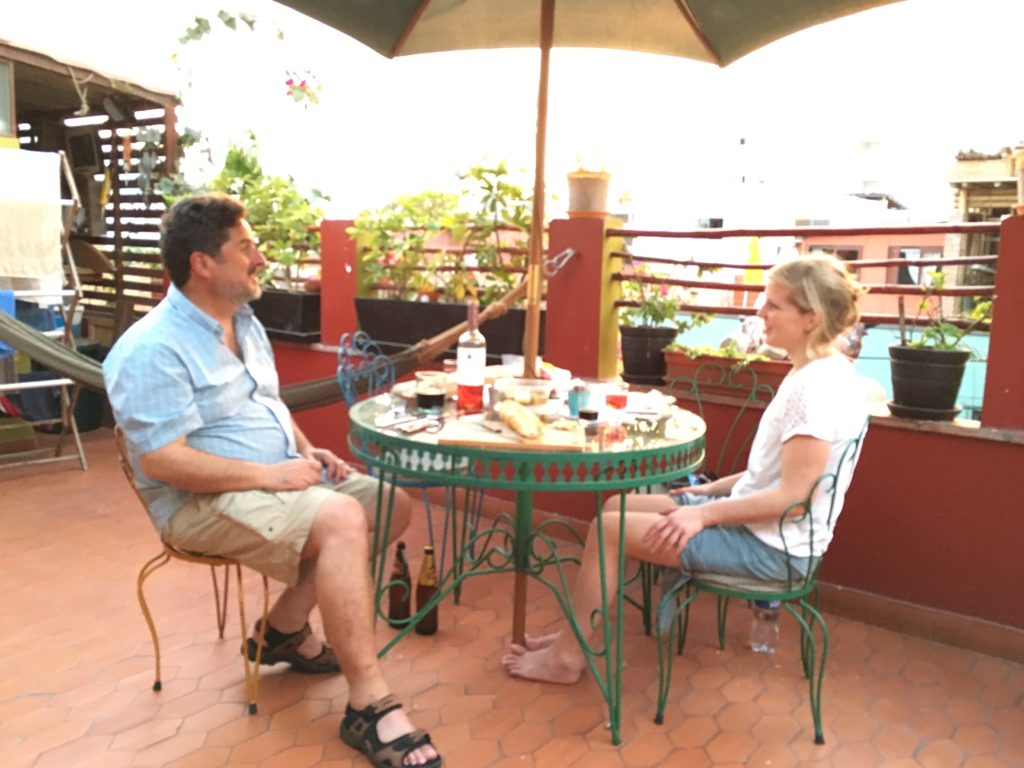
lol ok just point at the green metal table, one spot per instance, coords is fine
(646, 457)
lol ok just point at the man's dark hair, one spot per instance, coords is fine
(198, 223)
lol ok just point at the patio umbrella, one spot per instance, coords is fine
(715, 31)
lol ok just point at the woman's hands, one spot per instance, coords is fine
(674, 528)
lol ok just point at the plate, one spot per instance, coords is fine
(925, 414)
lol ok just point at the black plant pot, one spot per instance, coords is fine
(289, 316)
(397, 324)
(925, 382)
(642, 358)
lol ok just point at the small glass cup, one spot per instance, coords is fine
(577, 397)
(616, 395)
(431, 388)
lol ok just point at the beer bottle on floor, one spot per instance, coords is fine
(426, 586)
(399, 588)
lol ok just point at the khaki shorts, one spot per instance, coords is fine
(264, 530)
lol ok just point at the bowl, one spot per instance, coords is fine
(525, 391)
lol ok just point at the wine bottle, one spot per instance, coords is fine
(426, 587)
(471, 361)
(399, 588)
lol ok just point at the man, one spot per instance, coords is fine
(225, 470)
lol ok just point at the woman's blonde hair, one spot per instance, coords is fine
(823, 285)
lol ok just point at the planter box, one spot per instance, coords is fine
(289, 316)
(397, 324)
(715, 375)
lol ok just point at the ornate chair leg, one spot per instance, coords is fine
(152, 565)
(665, 643)
(808, 618)
(220, 598)
(723, 612)
(252, 668)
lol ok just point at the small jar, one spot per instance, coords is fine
(591, 429)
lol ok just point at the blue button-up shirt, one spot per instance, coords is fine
(170, 376)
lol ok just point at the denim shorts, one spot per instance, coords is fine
(727, 550)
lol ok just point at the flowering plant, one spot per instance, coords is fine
(303, 87)
(655, 304)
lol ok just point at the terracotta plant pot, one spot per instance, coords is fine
(588, 194)
(723, 376)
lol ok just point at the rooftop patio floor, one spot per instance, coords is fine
(76, 668)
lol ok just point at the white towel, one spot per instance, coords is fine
(30, 215)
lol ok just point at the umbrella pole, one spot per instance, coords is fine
(534, 272)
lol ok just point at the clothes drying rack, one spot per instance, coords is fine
(66, 301)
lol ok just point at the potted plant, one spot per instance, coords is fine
(725, 370)
(422, 256)
(284, 222)
(927, 371)
(649, 325)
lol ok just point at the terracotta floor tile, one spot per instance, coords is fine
(169, 749)
(74, 694)
(295, 757)
(648, 749)
(730, 747)
(263, 746)
(976, 739)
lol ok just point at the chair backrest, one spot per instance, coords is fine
(737, 385)
(122, 456)
(833, 484)
(363, 368)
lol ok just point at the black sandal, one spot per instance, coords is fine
(359, 730)
(287, 649)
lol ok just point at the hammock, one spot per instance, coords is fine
(85, 371)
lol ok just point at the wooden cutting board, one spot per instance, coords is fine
(474, 435)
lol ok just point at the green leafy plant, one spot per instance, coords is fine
(282, 218)
(656, 304)
(940, 333)
(454, 246)
(729, 351)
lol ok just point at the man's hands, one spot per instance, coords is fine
(299, 474)
(337, 470)
(674, 529)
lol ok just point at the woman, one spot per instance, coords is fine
(730, 526)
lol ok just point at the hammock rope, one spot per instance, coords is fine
(83, 370)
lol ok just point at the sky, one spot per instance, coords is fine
(878, 101)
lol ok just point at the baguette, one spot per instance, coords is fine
(521, 419)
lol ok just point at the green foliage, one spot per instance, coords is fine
(202, 27)
(472, 230)
(280, 216)
(940, 333)
(657, 304)
(729, 351)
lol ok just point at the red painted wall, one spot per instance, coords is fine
(934, 520)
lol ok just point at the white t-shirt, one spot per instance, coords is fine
(825, 399)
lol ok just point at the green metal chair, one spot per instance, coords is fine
(800, 589)
(721, 383)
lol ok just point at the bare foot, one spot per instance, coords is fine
(395, 724)
(541, 641)
(545, 664)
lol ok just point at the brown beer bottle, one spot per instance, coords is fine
(399, 589)
(426, 586)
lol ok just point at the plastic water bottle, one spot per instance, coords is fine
(764, 626)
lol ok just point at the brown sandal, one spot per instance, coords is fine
(359, 730)
(287, 649)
